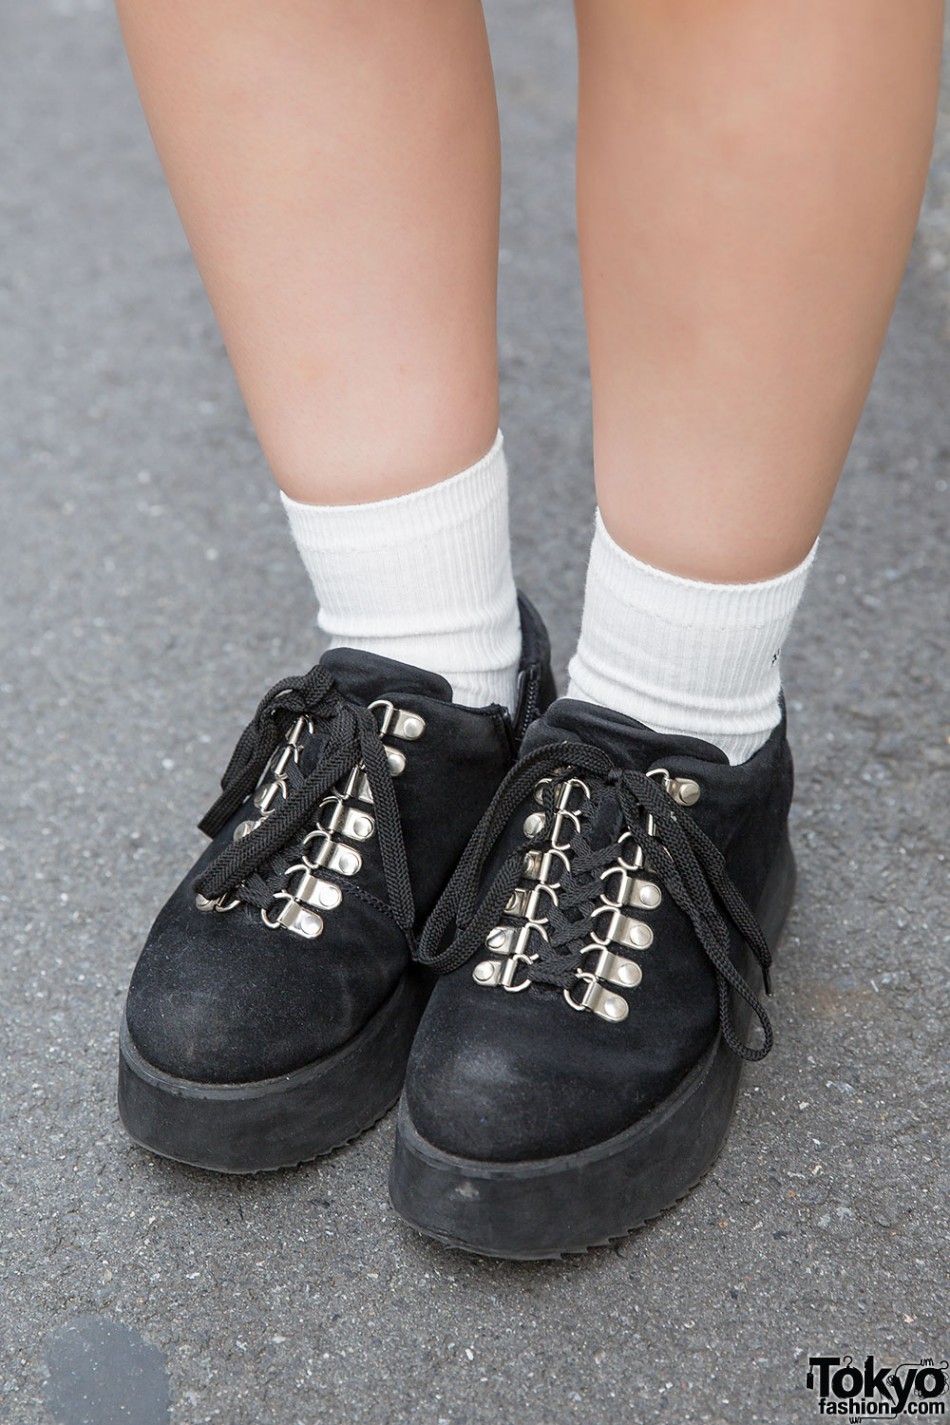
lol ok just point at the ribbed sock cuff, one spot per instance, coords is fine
(424, 578)
(682, 655)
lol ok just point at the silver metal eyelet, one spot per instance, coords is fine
(637, 863)
(296, 918)
(347, 821)
(358, 824)
(357, 786)
(281, 758)
(502, 973)
(295, 736)
(408, 725)
(516, 902)
(624, 929)
(265, 796)
(220, 905)
(631, 890)
(311, 890)
(598, 1000)
(574, 784)
(524, 902)
(614, 969)
(500, 940)
(538, 865)
(684, 790)
(510, 943)
(396, 722)
(331, 854)
(560, 817)
(396, 760)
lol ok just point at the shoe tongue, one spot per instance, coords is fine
(628, 743)
(366, 676)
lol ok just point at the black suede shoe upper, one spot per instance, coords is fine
(231, 995)
(506, 1075)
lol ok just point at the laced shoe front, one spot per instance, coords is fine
(577, 1067)
(271, 1012)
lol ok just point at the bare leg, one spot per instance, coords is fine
(336, 168)
(749, 179)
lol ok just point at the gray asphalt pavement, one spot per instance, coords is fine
(150, 593)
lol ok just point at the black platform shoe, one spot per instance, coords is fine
(272, 1009)
(576, 1070)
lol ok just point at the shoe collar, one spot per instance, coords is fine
(630, 744)
(364, 677)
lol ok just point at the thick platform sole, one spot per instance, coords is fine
(553, 1206)
(273, 1123)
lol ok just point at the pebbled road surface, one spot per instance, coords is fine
(150, 593)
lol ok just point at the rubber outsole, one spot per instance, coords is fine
(548, 1208)
(279, 1122)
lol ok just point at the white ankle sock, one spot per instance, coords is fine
(680, 655)
(424, 578)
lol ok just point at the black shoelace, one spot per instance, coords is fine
(680, 857)
(252, 869)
